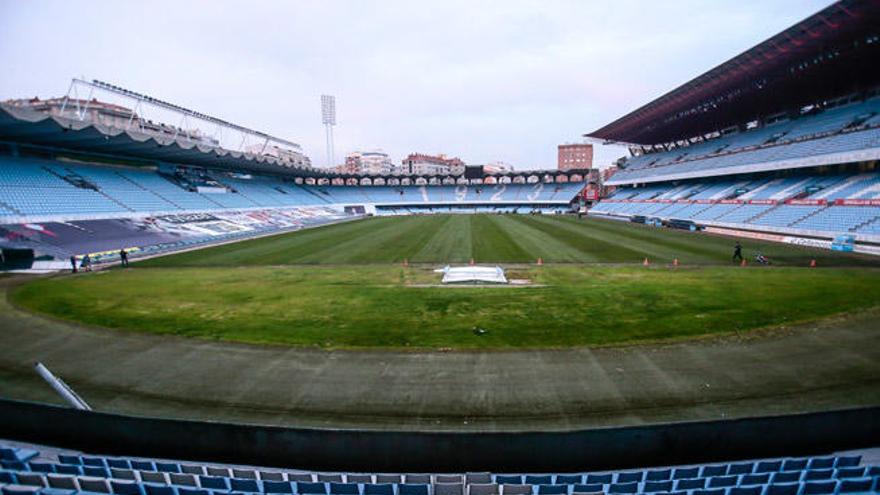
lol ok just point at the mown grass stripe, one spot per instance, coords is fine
(451, 243)
(496, 238)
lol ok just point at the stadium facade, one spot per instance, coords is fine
(780, 142)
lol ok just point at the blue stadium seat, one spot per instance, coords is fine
(532, 479)
(821, 463)
(155, 489)
(632, 487)
(508, 479)
(569, 479)
(605, 479)
(710, 491)
(306, 488)
(41, 467)
(57, 491)
(785, 477)
(741, 468)
(378, 489)
(246, 474)
(588, 488)
(686, 473)
(723, 481)
(713, 470)
(818, 474)
(412, 489)
(119, 463)
(35, 479)
(745, 490)
(214, 483)
(277, 487)
(658, 475)
(20, 490)
(848, 461)
(849, 472)
(629, 477)
(552, 489)
(96, 471)
(782, 489)
(768, 466)
(819, 487)
(344, 489)
(68, 469)
(187, 490)
(246, 485)
(123, 487)
(754, 479)
(657, 486)
(143, 465)
(167, 467)
(855, 485)
(690, 483)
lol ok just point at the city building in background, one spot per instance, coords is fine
(371, 162)
(575, 156)
(422, 164)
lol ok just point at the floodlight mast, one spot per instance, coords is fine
(219, 128)
(328, 118)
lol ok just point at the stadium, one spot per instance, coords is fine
(183, 316)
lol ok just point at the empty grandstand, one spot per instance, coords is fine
(765, 153)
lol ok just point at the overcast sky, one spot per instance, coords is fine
(483, 80)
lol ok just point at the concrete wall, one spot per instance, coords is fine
(356, 450)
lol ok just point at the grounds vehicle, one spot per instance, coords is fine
(844, 242)
(637, 219)
(676, 223)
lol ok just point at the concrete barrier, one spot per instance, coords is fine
(401, 451)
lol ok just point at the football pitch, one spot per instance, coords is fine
(346, 286)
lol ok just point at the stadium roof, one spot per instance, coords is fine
(829, 54)
(23, 125)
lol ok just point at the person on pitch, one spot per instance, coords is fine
(737, 252)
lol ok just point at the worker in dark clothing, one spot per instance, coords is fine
(737, 252)
(86, 263)
(123, 256)
(73, 263)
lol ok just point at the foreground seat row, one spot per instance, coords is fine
(22, 474)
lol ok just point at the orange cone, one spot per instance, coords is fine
(472, 262)
(743, 262)
(405, 262)
(675, 262)
(646, 262)
(812, 263)
(540, 261)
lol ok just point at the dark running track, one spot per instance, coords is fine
(826, 365)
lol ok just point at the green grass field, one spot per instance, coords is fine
(495, 238)
(270, 291)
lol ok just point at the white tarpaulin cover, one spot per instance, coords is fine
(473, 274)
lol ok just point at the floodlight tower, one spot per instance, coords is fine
(328, 117)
